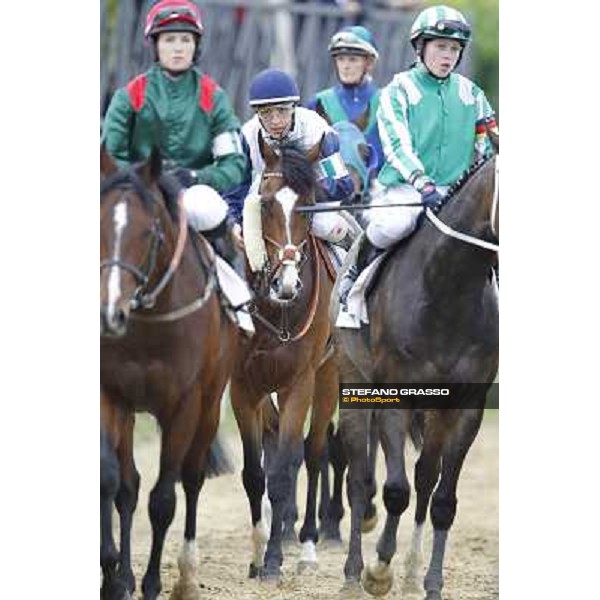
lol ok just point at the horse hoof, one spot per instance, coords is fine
(351, 590)
(114, 590)
(377, 583)
(433, 595)
(253, 571)
(305, 566)
(185, 590)
(270, 576)
(330, 534)
(369, 519)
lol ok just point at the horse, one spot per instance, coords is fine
(361, 160)
(433, 313)
(289, 353)
(165, 348)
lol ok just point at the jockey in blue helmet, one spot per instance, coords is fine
(274, 96)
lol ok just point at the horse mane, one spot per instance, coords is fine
(466, 176)
(298, 172)
(129, 178)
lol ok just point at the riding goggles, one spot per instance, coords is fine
(268, 113)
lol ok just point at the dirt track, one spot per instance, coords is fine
(471, 566)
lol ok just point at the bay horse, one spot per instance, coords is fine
(166, 349)
(433, 315)
(289, 353)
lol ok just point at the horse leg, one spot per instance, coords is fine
(113, 587)
(335, 513)
(294, 402)
(112, 421)
(353, 431)
(290, 515)
(427, 472)
(193, 474)
(370, 518)
(324, 404)
(176, 439)
(393, 427)
(248, 416)
(324, 488)
(126, 500)
(443, 503)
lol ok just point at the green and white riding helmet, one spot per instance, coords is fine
(439, 22)
(353, 40)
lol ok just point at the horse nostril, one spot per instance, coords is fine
(112, 323)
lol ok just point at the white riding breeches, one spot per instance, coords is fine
(389, 225)
(204, 207)
(329, 226)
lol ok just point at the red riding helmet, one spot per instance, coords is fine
(173, 15)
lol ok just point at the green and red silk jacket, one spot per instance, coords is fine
(189, 118)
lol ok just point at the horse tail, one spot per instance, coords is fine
(219, 459)
(417, 428)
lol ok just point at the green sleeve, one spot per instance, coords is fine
(118, 124)
(227, 171)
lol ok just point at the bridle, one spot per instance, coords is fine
(288, 254)
(143, 299)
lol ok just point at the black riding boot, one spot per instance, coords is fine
(221, 239)
(367, 252)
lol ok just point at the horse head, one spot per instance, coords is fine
(359, 156)
(130, 237)
(271, 223)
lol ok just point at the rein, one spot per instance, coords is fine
(149, 300)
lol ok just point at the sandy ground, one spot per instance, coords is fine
(471, 566)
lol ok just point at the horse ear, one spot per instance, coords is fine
(151, 170)
(362, 121)
(266, 151)
(321, 111)
(107, 164)
(313, 153)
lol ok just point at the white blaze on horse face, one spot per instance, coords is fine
(287, 198)
(114, 277)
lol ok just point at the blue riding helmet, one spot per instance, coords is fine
(273, 86)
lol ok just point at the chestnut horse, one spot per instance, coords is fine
(433, 320)
(289, 354)
(166, 348)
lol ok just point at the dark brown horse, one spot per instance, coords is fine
(433, 319)
(289, 352)
(166, 349)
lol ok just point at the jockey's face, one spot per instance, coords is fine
(441, 55)
(176, 50)
(276, 119)
(351, 68)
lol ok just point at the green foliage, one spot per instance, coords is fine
(484, 16)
